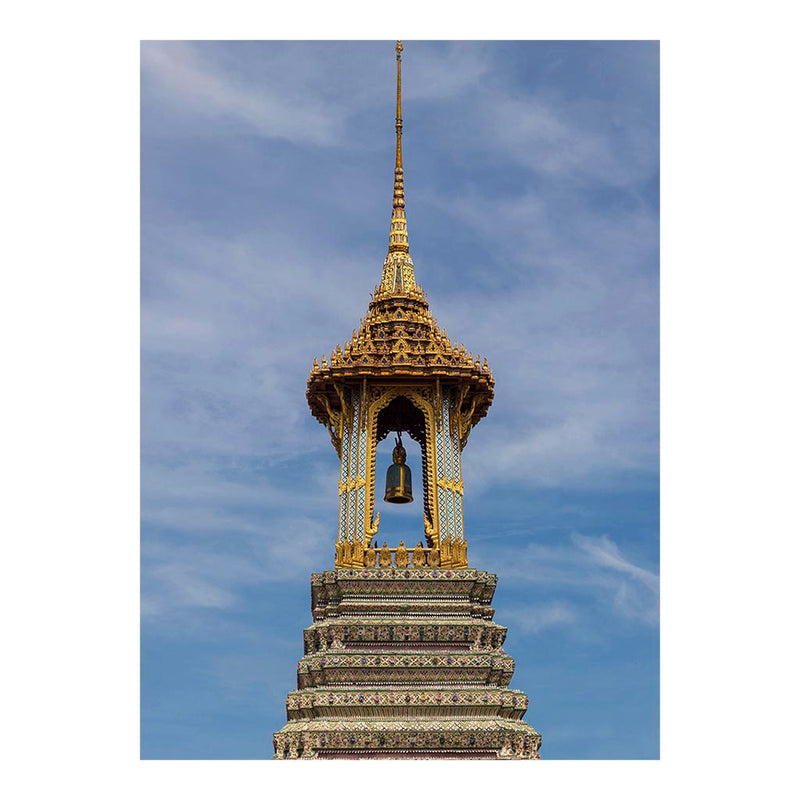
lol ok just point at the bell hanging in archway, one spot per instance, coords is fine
(398, 476)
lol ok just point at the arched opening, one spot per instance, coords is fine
(402, 522)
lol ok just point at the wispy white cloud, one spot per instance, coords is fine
(228, 339)
(606, 554)
(219, 526)
(196, 583)
(570, 327)
(202, 86)
(636, 591)
(589, 576)
(536, 617)
(537, 136)
(444, 74)
(209, 565)
(562, 138)
(277, 93)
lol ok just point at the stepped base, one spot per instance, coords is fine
(405, 663)
(410, 738)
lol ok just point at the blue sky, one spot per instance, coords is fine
(532, 191)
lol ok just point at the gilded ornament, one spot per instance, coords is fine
(401, 556)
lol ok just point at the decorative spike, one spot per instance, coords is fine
(398, 269)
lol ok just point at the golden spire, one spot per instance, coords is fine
(398, 236)
(398, 269)
(398, 122)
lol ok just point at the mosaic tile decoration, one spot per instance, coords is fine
(405, 663)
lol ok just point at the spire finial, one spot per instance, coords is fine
(398, 122)
(398, 269)
(398, 235)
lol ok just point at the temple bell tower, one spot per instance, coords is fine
(400, 373)
(403, 659)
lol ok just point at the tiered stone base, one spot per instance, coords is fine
(405, 663)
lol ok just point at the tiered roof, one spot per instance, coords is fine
(399, 339)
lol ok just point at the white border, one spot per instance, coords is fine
(70, 326)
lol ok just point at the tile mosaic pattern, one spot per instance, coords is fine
(405, 663)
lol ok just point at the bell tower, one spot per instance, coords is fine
(400, 373)
(403, 658)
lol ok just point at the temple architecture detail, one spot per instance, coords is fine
(403, 659)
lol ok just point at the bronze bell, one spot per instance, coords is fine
(398, 476)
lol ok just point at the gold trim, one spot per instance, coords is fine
(381, 396)
(453, 486)
(349, 485)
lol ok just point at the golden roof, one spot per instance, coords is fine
(399, 340)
